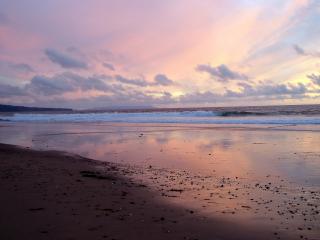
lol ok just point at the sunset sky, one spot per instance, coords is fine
(103, 53)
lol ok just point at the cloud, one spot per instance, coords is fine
(23, 67)
(64, 60)
(126, 99)
(108, 66)
(314, 78)
(267, 90)
(53, 91)
(10, 91)
(300, 51)
(65, 82)
(12, 69)
(201, 97)
(43, 85)
(136, 81)
(161, 79)
(247, 91)
(222, 73)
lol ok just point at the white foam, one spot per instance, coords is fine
(199, 117)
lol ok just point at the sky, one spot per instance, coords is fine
(163, 53)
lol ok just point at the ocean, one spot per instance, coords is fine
(288, 115)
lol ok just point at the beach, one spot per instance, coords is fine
(55, 192)
(159, 120)
(52, 195)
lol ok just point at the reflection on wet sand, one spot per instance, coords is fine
(270, 200)
(260, 175)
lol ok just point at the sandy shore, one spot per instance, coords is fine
(55, 195)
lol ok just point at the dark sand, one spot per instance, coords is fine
(55, 195)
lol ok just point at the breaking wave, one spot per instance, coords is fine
(198, 117)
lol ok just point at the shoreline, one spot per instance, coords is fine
(56, 195)
(176, 126)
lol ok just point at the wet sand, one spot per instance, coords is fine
(159, 181)
(56, 195)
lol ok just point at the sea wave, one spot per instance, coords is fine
(242, 114)
(198, 117)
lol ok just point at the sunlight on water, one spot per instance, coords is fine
(268, 174)
(292, 152)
